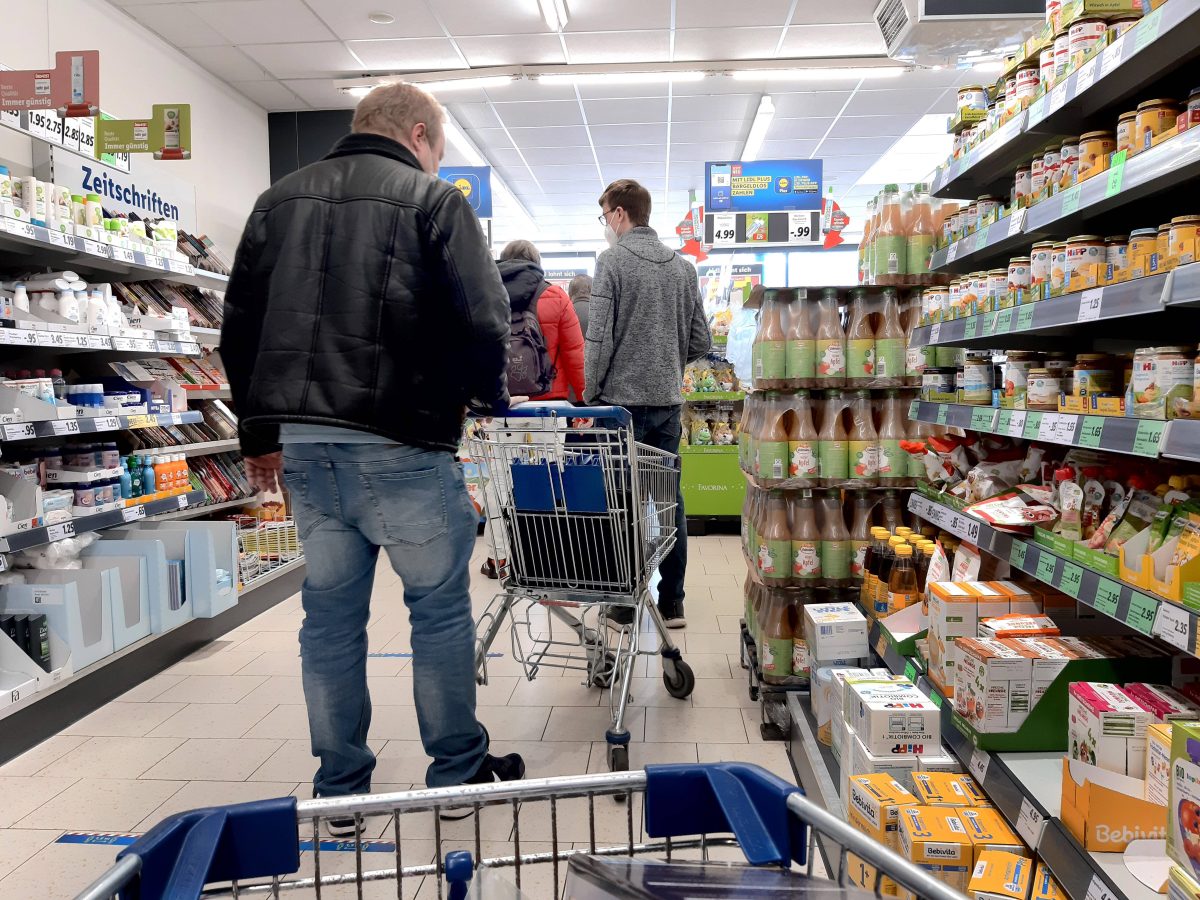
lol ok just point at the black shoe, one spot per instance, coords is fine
(340, 827)
(493, 768)
(619, 616)
(672, 614)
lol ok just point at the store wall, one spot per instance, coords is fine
(300, 138)
(230, 164)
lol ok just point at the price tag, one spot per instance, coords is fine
(1146, 31)
(981, 239)
(1147, 437)
(1004, 421)
(941, 413)
(1090, 431)
(60, 531)
(1071, 579)
(122, 343)
(179, 268)
(106, 423)
(910, 671)
(1057, 98)
(1097, 890)
(50, 339)
(952, 252)
(970, 328)
(20, 228)
(1174, 626)
(63, 427)
(1057, 429)
(142, 422)
(98, 342)
(1086, 75)
(95, 248)
(1044, 571)
(155, 262)
(1029, 823)
(176, 418)
(1016, 222)
(800, 228)
(1142, 613)
(1111, 58)
(58, 239)
(1116, 174)
(1016, 423)
(1070, 200)
(936, 699)
(1016, 555)
(122, 255)
(1004, 320)
(1033, 425)
(979, 765)
(724, 229)
(1025, 317)
(1108, 594)
(20, 432)
(983, 419)
(133, 513)
(181, 501)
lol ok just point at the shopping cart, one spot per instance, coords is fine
(580, 514)
(252, 849)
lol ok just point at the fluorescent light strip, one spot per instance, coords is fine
(465, 84)
(555, 14)
(758, 130)
(619, 77)
(817, 74)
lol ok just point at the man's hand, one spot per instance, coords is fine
(264, 472)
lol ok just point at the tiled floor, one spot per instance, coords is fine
(228, 725)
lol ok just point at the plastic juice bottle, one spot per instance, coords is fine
(862, 442)
(749, 535)
(920, 235)
(775, 543)
(916, 358)
(922, 562)
(902, 584)
(803, 445)
(860, 342)
(835, 541)
(891, 342)
(893, 461)
(893, 512)
(747, 434)
(779, 625)
(879, 591)
(772, 447)
(800, 362)
(891, 243)
(806, 539)
(864, 246)
(831, 342)
(769, 352)
(833, 460)
(916, 461)
(860, 534)
(866, 594)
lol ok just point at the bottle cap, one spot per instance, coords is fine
(904, 550)
(897, 542)
(904, 531)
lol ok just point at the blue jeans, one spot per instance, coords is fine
(658, 426)
(350, 500)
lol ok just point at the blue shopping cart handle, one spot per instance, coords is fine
(617, 414)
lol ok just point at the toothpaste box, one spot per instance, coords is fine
(988, 830)
(893, 719)
(1000, 876)
(863, 761)
(1106, 728)
(939, 789)
(1044, 885)
(993, 684)
(835, 631)
(1163, 703)
(1158, 761)
(874, 807)
(1017, 626)
(934, 838)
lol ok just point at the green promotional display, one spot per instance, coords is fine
(167, 133)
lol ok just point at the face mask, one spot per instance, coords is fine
(609, 235)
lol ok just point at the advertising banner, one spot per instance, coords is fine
(147, 190)
(71, 88)
(475, 182)
(563, 277)
(763, 186)
(167, 133)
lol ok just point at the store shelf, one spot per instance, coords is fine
(1117, 434)
(203, 449)
(708, 450)
(214, 394)
(266, 578)
(985, 170)
(194, 511)
(26, 431)
(206, 337)
(63, 339)
(163, 508)
(713, 396)
(1001, 240)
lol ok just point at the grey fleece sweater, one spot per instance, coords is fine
(646, 323)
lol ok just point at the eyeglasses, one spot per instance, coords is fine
(603, 217)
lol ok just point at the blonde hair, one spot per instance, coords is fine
(396, 109)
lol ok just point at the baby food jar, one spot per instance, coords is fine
(997, 289)
(973, 96)
(1126, 127)
(1021, 187)
(1142, 244)
(1116, 253)
(1083, 251)
(1019, 275)
(1050, 169)
(985, 206)
(1039, 265)
(1017, 366)
(1046, 66)
(1085, 34)
(1184, 235)
(1093, 373)
(1058, 268)
(1094, 148)
(1037, 177)
(1161, 375)
(1059, 365)
(1153, 118)
(1029, 76)
(935, 301)
(1062, 54)
(977, 378)
(1042, 390)
(1010, 92)
(1068, 162)
(954, 299)
(937, 380)
(1163, 242)
(1117, 27)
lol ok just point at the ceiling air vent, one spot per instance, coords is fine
(951, 32)
(892, 19)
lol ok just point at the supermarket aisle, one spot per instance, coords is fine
(228, 725)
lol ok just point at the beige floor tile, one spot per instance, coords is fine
(294, 762)
(508, 724)
(276, 663)
(112, 757)
(212, 689)
(214, 759)
(652, 692)
(695, 724)
(609, 817)
(58, 870)
(277, 621)
(101, 804)
(554, 692)
(771, 755)
(497, 691)
(120, 719)
(550, 758)
(387, 665)
(587, 723)
(730, 624)
(287, 720)
(393, 723)
(709, 643)
(727, 693)
(273, 689)
(19, 844)
(642, 754)
(391, 690)
(199, 794)
(32, 761)
(402, 761)
(151, 688)
(19, 796)
(212, 720)
(275, 641)
(227, 663)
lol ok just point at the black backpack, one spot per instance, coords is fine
(530, 371)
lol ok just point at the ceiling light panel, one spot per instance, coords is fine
(350, 19)
(614, 47)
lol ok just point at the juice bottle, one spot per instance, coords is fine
(775, 543)
(926, 549)
(748, 604)
(746, 434)
(860, 534)
(893, 513)
(916, 358)
(893, 461)
(772, 444)
(769, 352)
(920, 235)
(864, 246)
(831, 342)
(779, 623)
(902, 583)
(749, 516)
(890, 342)
(833, 460)
(800, 661)
(800, 363)
(860, 342)
(866, 594)
(879, 591)
(891, 243)
(803, 445)
(835, 541)
(862, 442)
(806, 539)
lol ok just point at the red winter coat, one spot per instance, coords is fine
(558, 321)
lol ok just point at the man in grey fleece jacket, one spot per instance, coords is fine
(646, 323)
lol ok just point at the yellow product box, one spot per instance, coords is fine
(1071, 403)
(1108, 406)
(1045, 887)
(1158, 761)
(1105, 811)
(940, 789)
(874, 806)
(861, 873)
(988, 831)
(973, 791)
(934, 838)
(1000, 876)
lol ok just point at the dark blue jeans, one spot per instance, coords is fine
(658, 426)
(349, 500)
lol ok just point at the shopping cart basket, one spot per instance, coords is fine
(249, 849)
(580, 515)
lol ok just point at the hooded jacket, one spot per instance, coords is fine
(525, 281)
(645, 324)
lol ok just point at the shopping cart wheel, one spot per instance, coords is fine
(618, 759)
(754, 693)
(683, 682)
(602, 675)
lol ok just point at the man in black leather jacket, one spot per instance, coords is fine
(364, 316)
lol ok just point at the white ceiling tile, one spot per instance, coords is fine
(561, 136)
(348, 18)
(787, 149)
(832, 147)
(617, 112)
(833, 40)
(512, 50)
(834, 13)
(722, 106)
(320, 93)
(490, 138)
(178, 24)
(474, 115)
(551, 165)
(649, 154)
(699, 132)
(606, 91)
(802, 104)
(621, 135)
(909, 101)
(270, 95)
(552, 112)
(713, 85)
(706, 152)
(329, 58)
(527, 89)
(411, 55)
(872, 126)
(471, 17)
(618, 46)
(798, 129)
(263, 21)
(615, 15)
(716, 13)
(229, 63)
(507, 158)
(725, 43)
(567, 157)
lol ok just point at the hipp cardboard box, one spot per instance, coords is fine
(938, 761)
(893, 719)
(895, 765)
(988, 830)
(935, 839)
(1000, 876)
(1106, 728)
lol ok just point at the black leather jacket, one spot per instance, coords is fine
(363, 295)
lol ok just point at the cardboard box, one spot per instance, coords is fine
(861, 873)
(839, 741)
(940, 762)
(988, 831)
(935, 839)
(864, 762)
(993, 684)
(974, 792)
(1105, 811)
(874, 807)
(1158, 761)
(1016, 625)
(893, 719)
(940, 789)
(1021, 600)
(1048, 661)
(955, 609)
(1164, 703)
(1000, 876)
(1044, 885)
(1180, 885)
(1106, 728)
(1183, 807)
(835, 631)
